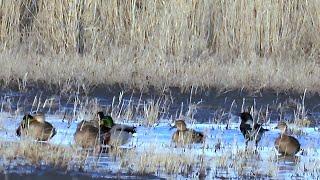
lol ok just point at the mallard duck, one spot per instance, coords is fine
(251, 131)
(117, 134)
(36, 127)
(184, 135)
(285, 144)
(87, 135)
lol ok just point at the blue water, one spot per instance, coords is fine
(207, 108)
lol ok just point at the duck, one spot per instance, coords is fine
(93, 134)
(117, 134)
(87, 135)
(183, 135)
(286, 145)
(251, 131)
(36, 127)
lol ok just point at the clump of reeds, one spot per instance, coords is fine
(37, 153)
(173, 163)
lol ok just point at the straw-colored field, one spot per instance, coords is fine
(224, 44)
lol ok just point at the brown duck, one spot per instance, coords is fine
(87, 135)
(36, 127)
(286, 145)
(184, 135)
(93, 134)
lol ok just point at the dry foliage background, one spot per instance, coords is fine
(183, 43)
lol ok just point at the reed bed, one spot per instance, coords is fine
(262, 44)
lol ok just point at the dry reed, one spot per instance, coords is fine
(223, 44)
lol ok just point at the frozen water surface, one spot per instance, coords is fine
(158, 139)
(222, 153)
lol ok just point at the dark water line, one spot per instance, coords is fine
(53, 174)
(207, 104)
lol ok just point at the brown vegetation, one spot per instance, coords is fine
(223, 44)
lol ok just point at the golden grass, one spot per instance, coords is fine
(150, 161)
(223, 44)
(34, 153)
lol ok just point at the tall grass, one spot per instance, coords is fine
(224, 44)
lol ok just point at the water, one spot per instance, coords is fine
(53, 174)
(204, 109)
(202, 106)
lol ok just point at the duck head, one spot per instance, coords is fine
(282, 126)
(24, 123)
(105, 121)
(39, 116)
(26, 120)
(246, 118)
(180, 125)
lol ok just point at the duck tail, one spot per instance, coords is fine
(202, 138)
(54, 132)
(134, 130)
(302, 151)
(131, 130)
(18, 131)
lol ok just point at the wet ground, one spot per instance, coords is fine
(208, 111)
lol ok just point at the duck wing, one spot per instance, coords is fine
(84, 123)
(87, 136)
(50, 129)
(198, 136)
(245, 130)
(259, 128)
(125, 128)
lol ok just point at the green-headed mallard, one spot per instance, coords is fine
(36, 127)
(285, 144)
(117, 134)
(90, 134)
(186, 136)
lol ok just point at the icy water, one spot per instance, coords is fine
(202, 106)
(31, 173)
(210, 112)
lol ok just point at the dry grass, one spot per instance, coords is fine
(238, 162)
(36, 154)
(80, 44)
(171, 162)
(152, 161)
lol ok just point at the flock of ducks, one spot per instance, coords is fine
(103, 131)
(285, 144)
